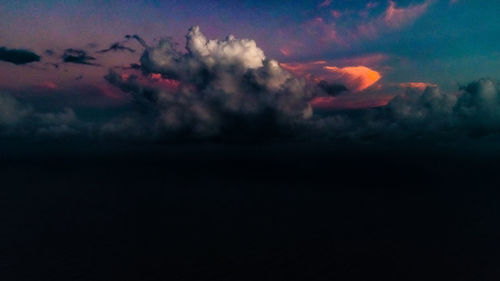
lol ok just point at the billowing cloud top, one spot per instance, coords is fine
(219, 82)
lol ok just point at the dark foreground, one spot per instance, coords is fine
(240, 213)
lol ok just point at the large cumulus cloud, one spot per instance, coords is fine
(221, 84)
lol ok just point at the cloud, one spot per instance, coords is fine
(398, 17)
(138, 39)
(417, 85)
(341, 31)
(117, 46)
(346, 102)
(11, 111)
(19, 119)
(356, 78)
(18, 56)
(221, 85)
(430, 116)
(429, 106)
(120, 46)
(77, 56)
(62, 123)
(325, 3)
(475, 106)
(392, 19)
(479, 105)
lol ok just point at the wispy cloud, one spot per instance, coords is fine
(397, 17)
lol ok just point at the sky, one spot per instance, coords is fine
(249, 140)
(80, 57)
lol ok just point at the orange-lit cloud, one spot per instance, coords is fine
(316, 67)
(356, 78)
(417, 85)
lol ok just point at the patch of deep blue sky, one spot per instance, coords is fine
(450, 41)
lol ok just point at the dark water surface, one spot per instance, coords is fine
(215, 213)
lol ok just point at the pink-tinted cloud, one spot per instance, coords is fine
(371, 5)
(159, 81)
(336, 14)
(285, 51)
(398, 17)
(325, 3)
(394, 18)
(325, 32)
(152, 79)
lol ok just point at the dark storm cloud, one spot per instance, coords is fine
(117, 46)
(78, 56)
(18, 56)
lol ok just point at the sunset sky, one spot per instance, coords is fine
(434, 41)
(56, 54)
